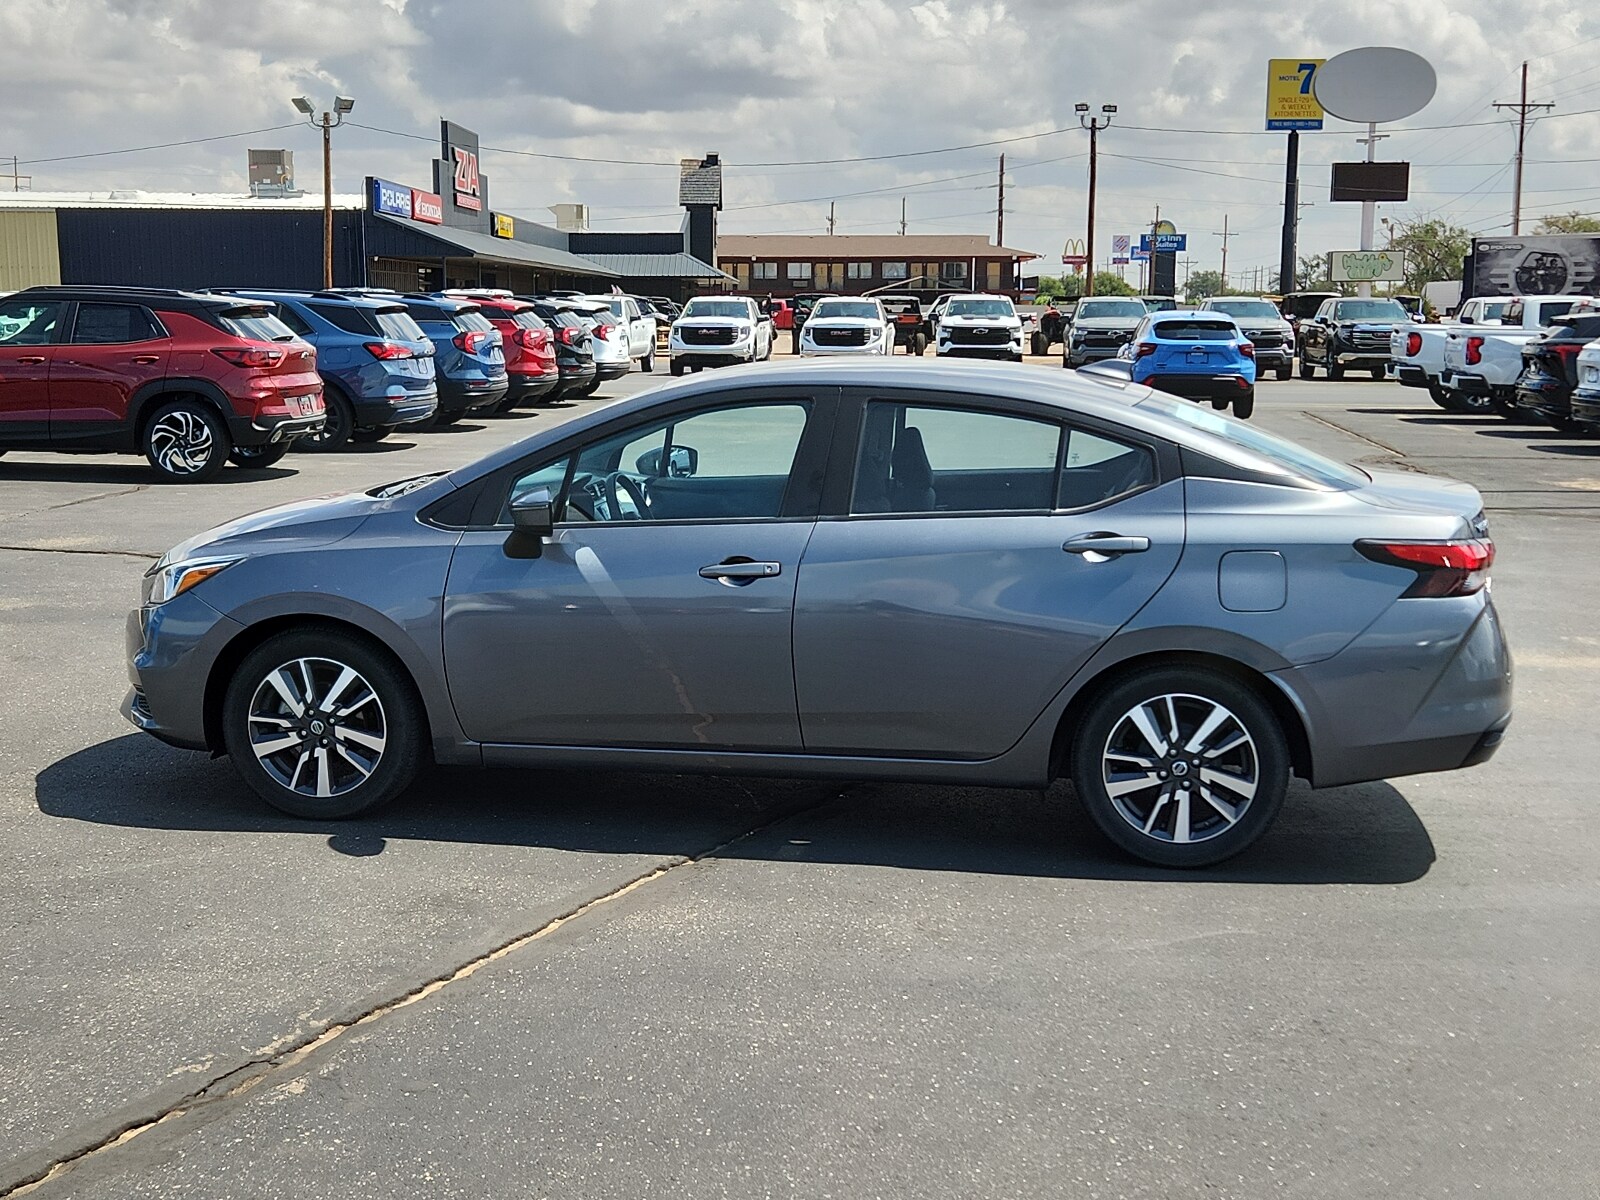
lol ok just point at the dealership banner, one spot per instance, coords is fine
(1552, 265)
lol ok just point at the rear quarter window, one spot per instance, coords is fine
(345, 316)
(398, 325)
(473, 321)
(256, 326)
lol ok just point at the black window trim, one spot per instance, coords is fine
(850, 428)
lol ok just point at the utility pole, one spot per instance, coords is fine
(902, 216)
(830, 218)
(1522, 108)
(1094, 124)
(1187, 264)
(1000, 208)
(1224, 235)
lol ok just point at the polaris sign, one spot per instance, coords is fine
(391, 198)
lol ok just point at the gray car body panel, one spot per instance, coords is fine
(1339, 638)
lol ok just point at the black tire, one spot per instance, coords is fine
(1284, 372)
(647, 364)
(1219, 403)
(1335, 371)
(395, 717)
(1245, 405)
(1508, 409)
(1377, 373)
(1040, 346)
(1441, 396)
(675, 368)
(371, 433)
(190, 438)
(1263, 759)
(1307, 371)
(258, 458)
(337, 427)
(919, 344)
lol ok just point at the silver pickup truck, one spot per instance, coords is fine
(1482, 365)
(1417, 351)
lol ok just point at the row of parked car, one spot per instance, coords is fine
(194, 380)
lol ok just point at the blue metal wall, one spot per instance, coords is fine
(192, 248)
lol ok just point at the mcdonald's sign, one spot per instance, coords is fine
(1075, 254)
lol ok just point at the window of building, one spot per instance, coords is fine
(798, 270)
(766, 270)
(953, 270)
(992, 276)
(859, 270)
(895, 270)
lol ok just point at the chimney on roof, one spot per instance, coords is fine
(700, 192)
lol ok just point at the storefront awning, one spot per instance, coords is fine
(658, 266)
(463, 243)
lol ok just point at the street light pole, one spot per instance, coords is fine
(329, 122)
(1094, 124)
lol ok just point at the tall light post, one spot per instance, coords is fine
(329, 122)
(1094, 124)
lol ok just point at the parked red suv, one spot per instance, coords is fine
(529, 347)
(190, 381)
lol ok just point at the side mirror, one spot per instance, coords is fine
(682, 462)
(1466, 321)
(532, 520)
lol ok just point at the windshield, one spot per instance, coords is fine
(979, 308)
(716, 308)
(1246, 308)
(1368, 310)
(864, 309)
(1281, 452)
(1194, 329)
(1109, 308)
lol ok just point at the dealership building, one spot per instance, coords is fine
(396, 234)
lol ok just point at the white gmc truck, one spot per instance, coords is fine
(1418, 350)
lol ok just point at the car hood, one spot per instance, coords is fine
(697, 321)
(844, 323)
(1409, 490)
(1371, 326)
(963, 319)
(313, 522)
(1117, 323)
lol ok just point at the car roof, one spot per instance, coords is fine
(374, 303)
(1230, 299)
(169, 298)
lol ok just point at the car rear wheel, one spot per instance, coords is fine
(258, 457)
(372, 433)
(323, 725)
(1307, 371)
(186, 441)
(1471, 402)
(337, 426)
(1378, 373)
(1441, 395)
(1245, 405)
(648, 363)
(1181, 767)
(675, 368)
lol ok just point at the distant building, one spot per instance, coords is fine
(783, 264)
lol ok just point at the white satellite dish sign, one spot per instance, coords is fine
(1374, 84)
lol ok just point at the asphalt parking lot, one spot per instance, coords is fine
(755, 988)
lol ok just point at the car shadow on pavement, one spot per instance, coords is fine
(1367, 834)
(131, 474)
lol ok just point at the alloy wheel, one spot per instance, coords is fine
(1180, 768)
(181, 442)
(317, 727)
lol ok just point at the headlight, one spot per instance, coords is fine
(173, 579)
(741, 331)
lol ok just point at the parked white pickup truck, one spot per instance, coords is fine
(1482, 364)
(1417, 350)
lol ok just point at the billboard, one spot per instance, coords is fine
(1371, 181)
(1367, 266)
(1119, 248)
(1291, 103)
(1555, 264)
(391, 198)
(427, 206)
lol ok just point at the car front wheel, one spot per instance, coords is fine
(1181, 767)
(323, 725)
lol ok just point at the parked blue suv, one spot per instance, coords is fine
(1201, 355)
(469, 355)
(376, 363)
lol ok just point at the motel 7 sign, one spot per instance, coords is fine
(1291, 104)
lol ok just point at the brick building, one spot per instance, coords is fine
(782, 264)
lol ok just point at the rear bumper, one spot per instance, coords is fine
(267, 431)
(1411, 376)
(470, 395)
(1200, 387)
(612, 370)
(1477, 385)
(379, 411)
(523, 388)
(1445, 707)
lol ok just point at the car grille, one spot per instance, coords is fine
(1267, 341)
(706, 335)
(838, 337)
(1109, 339)
(1376, 342)
(979, 336)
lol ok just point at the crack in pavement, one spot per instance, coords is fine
(238, 1080)
(1371, 441)
(82, 550)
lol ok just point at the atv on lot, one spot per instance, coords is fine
(910, 326)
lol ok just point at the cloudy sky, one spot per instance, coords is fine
(773, 84)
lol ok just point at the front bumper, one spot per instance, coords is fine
(171, 649)
(1079, 355)
(1008, 351)
(1362, 358)
(712, 358)
(809, 350)
(1586, 407)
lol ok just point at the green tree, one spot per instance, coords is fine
(1202, 284)
(1572, 222)
(1109, 283)
(1051, 287)
(1434, 250)
(1311, 274)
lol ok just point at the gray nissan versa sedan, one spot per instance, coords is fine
(916, 572)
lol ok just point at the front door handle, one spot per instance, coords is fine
(1098, 547)
(740, 571)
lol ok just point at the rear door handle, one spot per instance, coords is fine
(1098, 547)
(31, 360)
(145, 360)
(741, 571)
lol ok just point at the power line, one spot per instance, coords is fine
(219, 137)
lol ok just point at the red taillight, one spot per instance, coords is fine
(1248, 349)
(568, 335)
(390, 350)
(1566, 349)
(1144, 349)
(1443, 568)
(529, 339)
(1413, 344)
(1474, 351)
(472, 341)
(254, 356)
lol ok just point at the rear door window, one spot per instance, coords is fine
(294, 320)
(114, 324)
